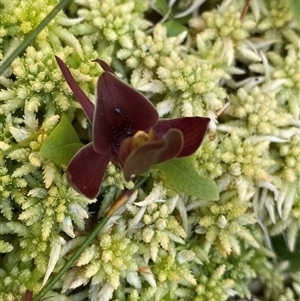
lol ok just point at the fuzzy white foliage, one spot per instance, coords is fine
(78, 210)
(54, 256)
(152, 197)
(105, 293)
(67, 226)
(38, 192)
(19, 134)
(134, 279)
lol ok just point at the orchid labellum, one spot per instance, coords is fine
(126, 128)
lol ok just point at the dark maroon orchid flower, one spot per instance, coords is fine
(126, 128)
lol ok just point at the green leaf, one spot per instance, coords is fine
(294, 6)
(174, 28)
(62, 144)
(182, 175)
(162, 6)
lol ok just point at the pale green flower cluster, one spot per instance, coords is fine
(279, 15)
(114, 21)
(240, 70)
(18, 18)
(115, 178)
(154, 257)
(111, 259)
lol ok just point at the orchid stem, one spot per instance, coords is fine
(116, 205)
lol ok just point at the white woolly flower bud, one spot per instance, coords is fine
(32, 105)
(50, 122)
(49, 173)
(79, 280)
(54, 256)
(49, 87)
(134, 279)
(25, 169)
(185, 256)
(88, 254)
(126, 42)
(239, 34)
(212, 102)
(222, 222)
(67, 226)
(247, 52)
(20, 183)
(150, 62)
(187, 108)
(110, 34)
(248, 237)
(78, 210)
(235, 245)
(235, 169)
(18, 134)
(148, 275)
(148, 234)
(106, 292)
(35, 159)
(164, 210)
(137, 216)
(105, 241)
(165, 106)
(153, 196)
(164, 73)
(169, 235)
(63, 102)
(4, 146)
(219, 272)
(118, 262)
(123, 54)
(147, 219)
(160, 224)
(38, 192)
(107, 255)
(64, 21)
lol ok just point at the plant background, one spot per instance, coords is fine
(189, 58)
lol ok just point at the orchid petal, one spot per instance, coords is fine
(86, 170)
(140, 159)
(87, 105)
(120, 112)
(192, 128)
(104, 66)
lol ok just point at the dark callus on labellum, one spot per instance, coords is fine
(126, 128)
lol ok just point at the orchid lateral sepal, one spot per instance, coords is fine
(86, 170)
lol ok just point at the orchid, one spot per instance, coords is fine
(220, 224)
(126, 129)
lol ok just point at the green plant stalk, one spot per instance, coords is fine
(31, 36)
(72, 259)
(116, 205)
